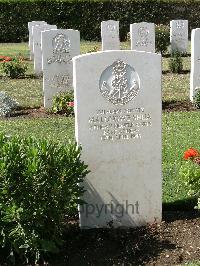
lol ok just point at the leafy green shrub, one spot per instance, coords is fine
(197, 99)
(162, 36)
(190, 173)
(38, 189)
(176, 62)
(15, 68)
(64, 13)
(63, 103)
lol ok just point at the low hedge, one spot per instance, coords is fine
(39, 191)
(86, 15)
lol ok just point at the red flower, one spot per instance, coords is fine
(71, 104)
(5, 58)
(190, 154)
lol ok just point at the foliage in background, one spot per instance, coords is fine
(176, 62)
(162, 38)
(7, 104)
(66, 15)
(15, 68)
(38, 189)
(190, 173)
(63, 103)
(197, 99)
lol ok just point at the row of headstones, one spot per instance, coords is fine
(53, 49)
(117, 98)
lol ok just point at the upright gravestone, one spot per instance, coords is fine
(179, 35)
(118, 125)
(195, 63)
(58, 48)
(30, 42)
(110, 35)
(37, 46)
(142, 37)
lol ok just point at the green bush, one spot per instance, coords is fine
(197, 99)
(38, 190)
(86, 15)
(176, 63)
(15, 68)
(63, 103)
(162, 36)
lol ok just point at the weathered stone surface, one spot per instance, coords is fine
(179, 35)
(143, 37)
(118, 125)
(37, 46)
(110, 35)
(195, 63)
(58, 49)
(30, 43)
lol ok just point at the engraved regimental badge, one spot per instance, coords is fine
(119, 83)
(61, 48)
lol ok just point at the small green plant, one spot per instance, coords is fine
(63, 103)
(190, 173)
(176, 62)
(197, 99)
(39, 188)
(162, 36)
(93, 49)
(15, 68)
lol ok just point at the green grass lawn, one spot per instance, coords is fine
(181, 130)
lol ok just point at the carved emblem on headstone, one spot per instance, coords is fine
(61, 48)
(111, 27)
(119, 83)
(179, 24)
(143, 33)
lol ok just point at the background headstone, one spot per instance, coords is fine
(58, 48)
(195, 63)
(118, 125)
(37, 46)
(179, 35)
(110, 35)
(142, 37)
(30, 42)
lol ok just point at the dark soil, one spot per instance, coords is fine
(174, 241)
(167, 106)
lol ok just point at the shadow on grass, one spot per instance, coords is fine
(182, 72)
(174, 105)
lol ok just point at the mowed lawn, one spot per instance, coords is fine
(181, 130)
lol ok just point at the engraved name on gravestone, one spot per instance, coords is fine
(58, 48)
(30, 42)
(118, 125)
(37, 46)
(110, 35)
(195, 63)
(142, 37)
(179, 35)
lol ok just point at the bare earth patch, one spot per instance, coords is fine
(174, 241)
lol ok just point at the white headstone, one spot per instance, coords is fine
(179, 35)
(195, 63)
(37, 46)
(58, 48)
(118, 125)
(110, 35)
(30, 42)
(142, 37)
